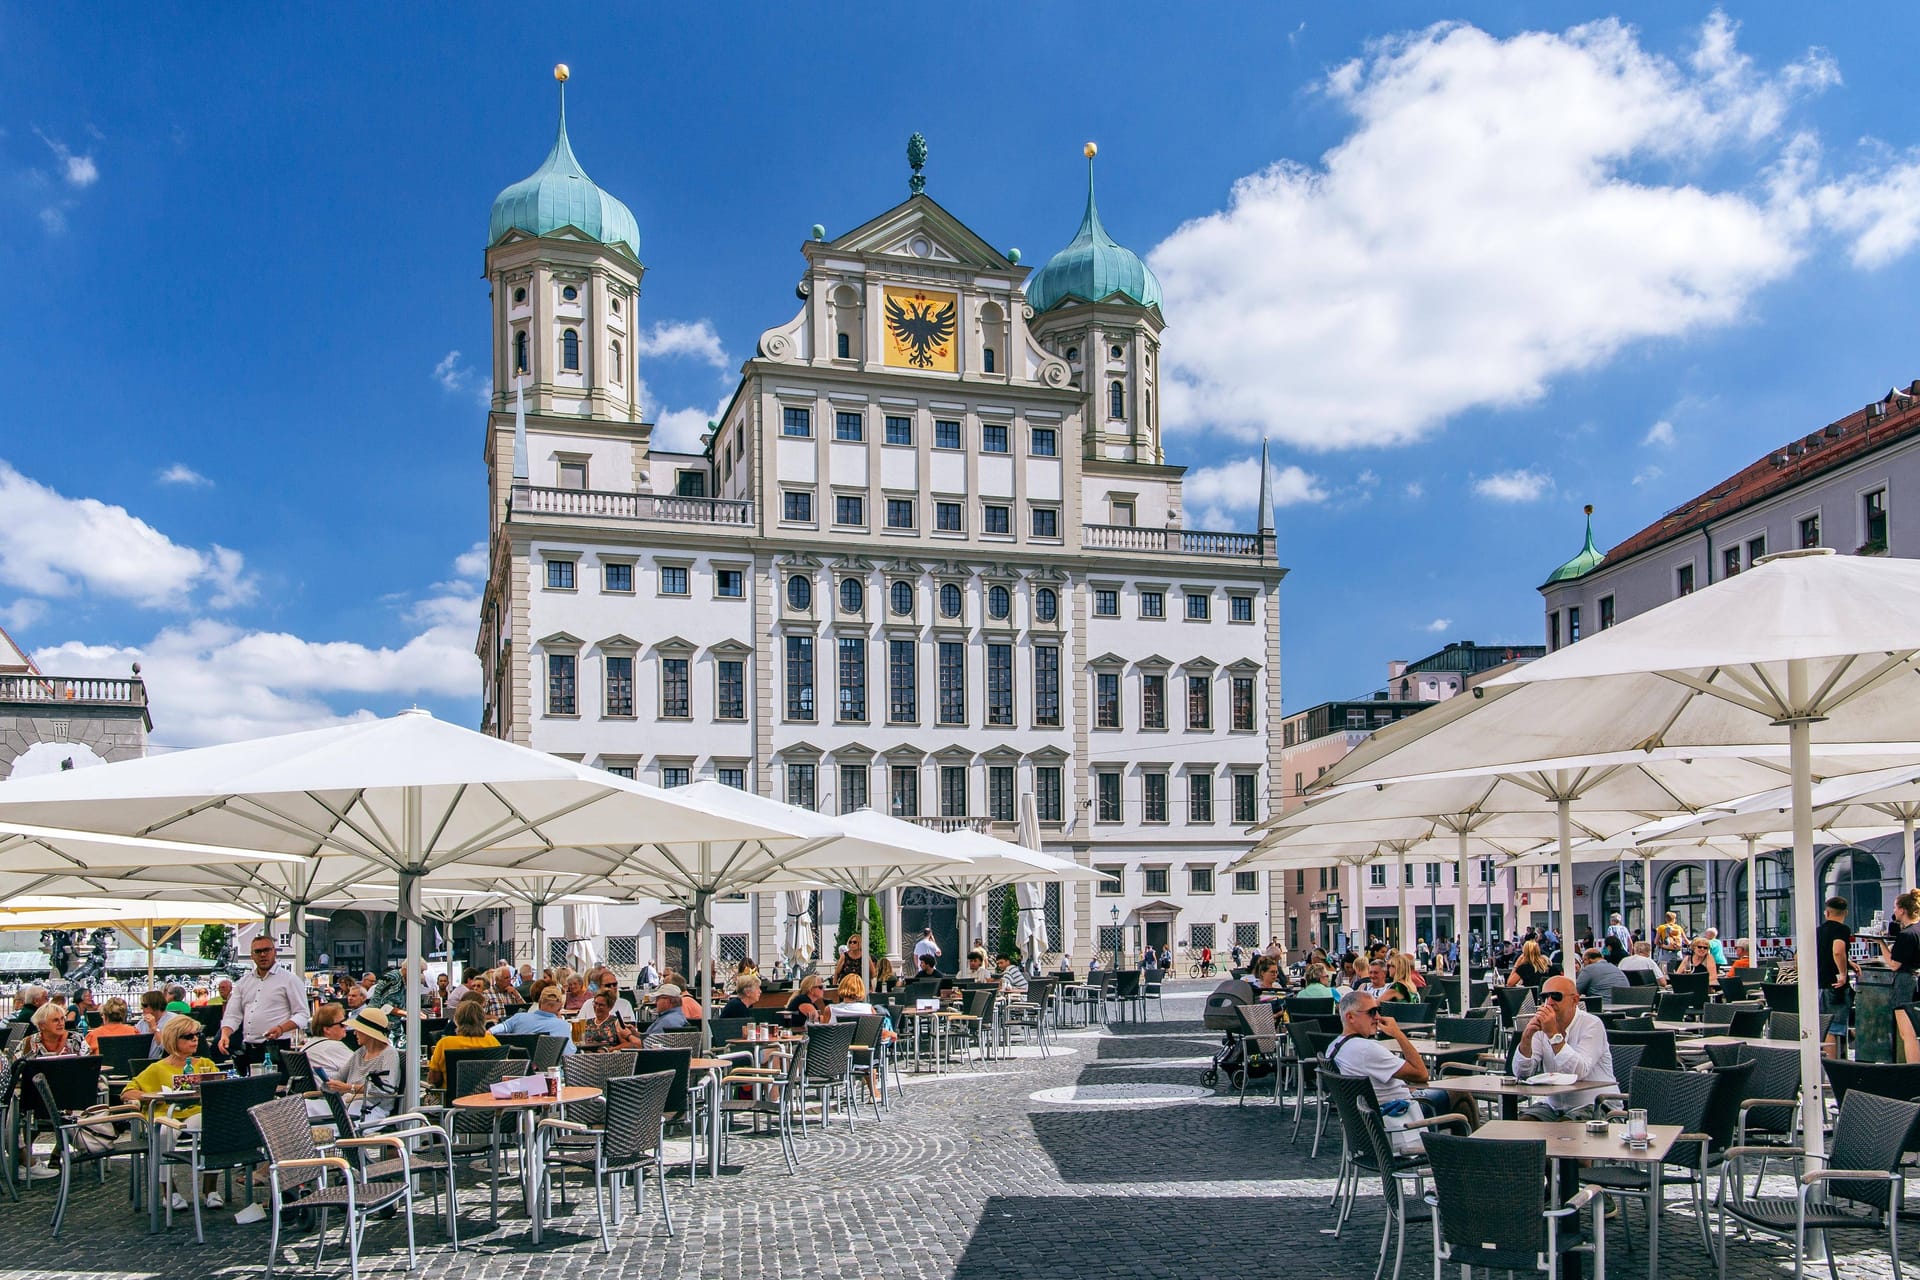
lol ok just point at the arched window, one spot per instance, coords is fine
(950, 601)
(799, 592)
(1046, 605)
(986, 360)
(570, 350)
(999, 602)
(853, 596)
(520, 352)
(1773, 898)
(844, 349)
(902, 598)
(1854, 874)
(1686, 897)
(1116, 400)
(614, 356)
(1606, 892)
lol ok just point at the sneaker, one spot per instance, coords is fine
(179, 1203)
(252, 1213)
(213, 1201)
(42, 1171)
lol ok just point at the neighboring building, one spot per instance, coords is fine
(54, 722)
(1839, 486)
(931, 559)
(1325, 906)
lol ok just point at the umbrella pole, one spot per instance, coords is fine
(1460, 927)
(1563, 810)
(866, 940)
(1646, 896)
(1906, 844)
(410, 970)
(1400, 921)
(1753, 903)
(1806, 920)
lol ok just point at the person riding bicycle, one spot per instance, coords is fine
(1206, 960)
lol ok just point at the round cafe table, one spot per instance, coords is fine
(528, 1110)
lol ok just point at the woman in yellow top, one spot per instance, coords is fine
(179, 1046)
(469, 1032)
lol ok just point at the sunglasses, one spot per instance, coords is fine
(189, 1035)
(1553, 995)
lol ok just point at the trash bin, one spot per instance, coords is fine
(1880, 992)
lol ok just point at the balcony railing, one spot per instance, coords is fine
(665, 508)
(943, 825)
(74, 690)
(1188, 542)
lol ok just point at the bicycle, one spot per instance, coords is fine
(1201, 969)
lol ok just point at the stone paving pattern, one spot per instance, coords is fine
(969, 1179)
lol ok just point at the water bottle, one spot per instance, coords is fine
(267, 1064)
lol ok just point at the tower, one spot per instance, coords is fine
(1097, 305)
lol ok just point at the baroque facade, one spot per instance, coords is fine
(930, 559)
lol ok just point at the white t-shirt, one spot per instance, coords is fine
(1353, 1056)
(330, 1055)
(1629, 963)
(926, 947)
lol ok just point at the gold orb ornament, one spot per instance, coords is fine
(560, 72)
(1090, 151)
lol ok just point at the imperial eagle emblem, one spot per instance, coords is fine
(920, 329)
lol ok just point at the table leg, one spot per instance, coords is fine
(714, 1116)
(1653, 1221)
(153, 1177)
(530, 1168)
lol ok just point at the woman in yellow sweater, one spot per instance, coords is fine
(469, 1032)
(179, 1048)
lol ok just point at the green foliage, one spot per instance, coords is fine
(849, 920)
(876, 929)
(213, 937)
(1010, 925)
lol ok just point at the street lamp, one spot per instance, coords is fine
(1116, 938)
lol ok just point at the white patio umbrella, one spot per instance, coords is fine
(799, 926)
(996, 864)
(150, 923)
(1033, 910)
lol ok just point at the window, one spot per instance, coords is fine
(675, 775)
(1153, 806)
(1242, 698)
(1756, 548)
(1046, 604)
(1116, 400)
(946, 435)
(1000, 792)
(1046, 522)
(1573, 624)
(900, 513)
(1200, 879)
(995, 519)
(849, 426)
(1606, 612)
(1046, 442)
(1376, 875)
(1106, 796)
(573, 474)
(797, 507)
(570, 294)
(1729, 564)
(1120, 512)
(993, 438)
(1153, 604)
(799, 677)
(1154, 879)
(800, 785)
(1047, 794)
(953, 791)
(899, 430)
(730, 690)
(570, 350)
(1246, 799)
(613, 360)
(1106, 700)
(619, 685)
(616, 577)
(673, 688)
(848, 509)
(1246, 882)
(1486, 871)
(1073, 355)
(796, 422)
(1873, 511)
(1111, 886)
(902, 684)
(999, 602)
(621, 770)
(690, 484)
(950, 600)
(903, 791)
(946, 517)
(800, 592)
(1682, 584)
(853, 787)
(1046, 685)
(1809, 531)
(843, 346)
(1240, 608)
(1106, 602)
(953, 682)
(1199, 606)
(729, 584)
(731, 776)
(853, 595)
(560, 575)
(519, 296)
(1200, 702)
(673, 580)
(853, 678)
(1199, 797)
(520, 351)
(560, 685)
(1553, 631)
(999, 684)
(614, 303)
(1153, 701)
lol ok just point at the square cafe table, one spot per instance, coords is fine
(1569, 1140)
(1511, 1092)
(526, 1108)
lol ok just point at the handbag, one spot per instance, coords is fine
(97, 1136)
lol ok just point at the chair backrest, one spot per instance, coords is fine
(1880, 1079)
(1310, 1006)
(1359, 1110)
(1126, 983)
(1776, 1075)
(1749, 1022)
(980, 1000)
(828, 1051)
(1674, 1006)
(452, 1059)
(1308, 1044)
(592, 1071)
(287, 1135)
(1657, 1048)
(547, 1051)
(227, 1133)
(120, 1053)
(1509, 1000)
(1733, 984)
(867, 1029)
(1410, 1011)
(1259, 1026)
(1730, 1087)
(1781, 997)
(1492, 1198)
(476, 1076)
(1870, 1134)
(1642, 996)
(1672, 1097)
(677, 1061)
(1783, 1026)
(297, 1070)
(1641, 1025)
(1465, 1031)
(635, 1108)
(1638, 978)
(1626, 1057)
(1694, 983)
(75, 1082)
(725, 1029)
(1718, 1015)
(674, 1040)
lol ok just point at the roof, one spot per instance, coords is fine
(1588, 559)
(559, 195)
(1465, 655)
(1093, 267)
(1894, 417)
(13, 657)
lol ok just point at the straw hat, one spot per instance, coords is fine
(369, 1020)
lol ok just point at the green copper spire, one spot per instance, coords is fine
(559, 194)
(1093, 266)
(1589, 559)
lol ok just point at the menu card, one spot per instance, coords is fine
(522, 1087)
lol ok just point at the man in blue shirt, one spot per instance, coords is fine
(543, 1021)
(668, 1015)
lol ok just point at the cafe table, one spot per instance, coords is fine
(715, 1068)
(1568, 1140)
(527, 1109)
(1512, 1092)
(149, 1103)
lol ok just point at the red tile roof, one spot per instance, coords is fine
(1799, 460)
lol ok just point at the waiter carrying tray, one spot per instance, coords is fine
(267, 1006)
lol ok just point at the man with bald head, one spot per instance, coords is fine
(1563, 1037)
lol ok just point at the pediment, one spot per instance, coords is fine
(905, 751)
(954, 752)
(803, 749)
(921, 229)
(798, 560)
(560, 640)
(1244, 666)
(617, 643)
(1154, 662)
(730, 649)
(1107, 660)
(675, 644)
(1047, 753)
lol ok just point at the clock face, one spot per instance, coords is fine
(922, 329)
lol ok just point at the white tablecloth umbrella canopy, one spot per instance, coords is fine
(408, 793)
(992, 864)
(1809, 649)
(149, 922)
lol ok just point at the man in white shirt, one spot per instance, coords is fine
(927, 947)
(1642, 959)
(268, 1005)
(1563, 1037)
(1395, 1076)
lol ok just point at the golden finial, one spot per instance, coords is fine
(1589, 508)
(560, 72)
(1090, 151)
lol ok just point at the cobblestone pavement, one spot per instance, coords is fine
(1140, 1173)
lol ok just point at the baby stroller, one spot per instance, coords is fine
(1223, 1015)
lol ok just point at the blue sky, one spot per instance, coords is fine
(1466, 278)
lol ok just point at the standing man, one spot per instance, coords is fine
(927, 947)
(1618, 932)
(1669, 940)
(1836, 970)
(267, 1006)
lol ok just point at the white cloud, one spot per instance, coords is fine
(1522, 485)
(75, 170)
(1647, 475)
(1414, 489)
(53, 545)
(1223, 496)
(456, 377)
(22, 613)
(1438, 625)
(1660, 433)
(181, 473)
(472, 563)
(1503, 212)
(694, 340)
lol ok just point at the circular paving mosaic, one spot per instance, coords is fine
(1122, 1094)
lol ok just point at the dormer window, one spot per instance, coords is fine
(570, 351)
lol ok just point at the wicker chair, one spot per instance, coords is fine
(1669, 1097)
(1260, 1045)
(1308, 1045)
(630, 1139)
(299, 1179)
(1367, 1151)
(687, 1102)
(776, 1093)
(1640, 997)
(1678, 1006)
(225, 1139)
(1028, 1014)
(470, 1133)
(1491, 1209)
(1657, 1048)
(69, 1153)
(425, 1148)
(868, 1058)
(1860, 1189)
(830, 1070)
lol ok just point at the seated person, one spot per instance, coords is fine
(575, 997)
(326, 1045)
(977, 969)
(1013, 979)
(1699, 959)
(1598, 976)
(1316, 987)
(469, 1032)
(809, 999)
(543, 1020)
(115, 1024)
(928, 967)
(371, 1082)
(179, 1044)
(1265, 977)
(746, 993)
(1395, 1076)
(668, 1015)
(1642, 960)
(153, 1012)
(603, 1027)
(1562, 1036)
